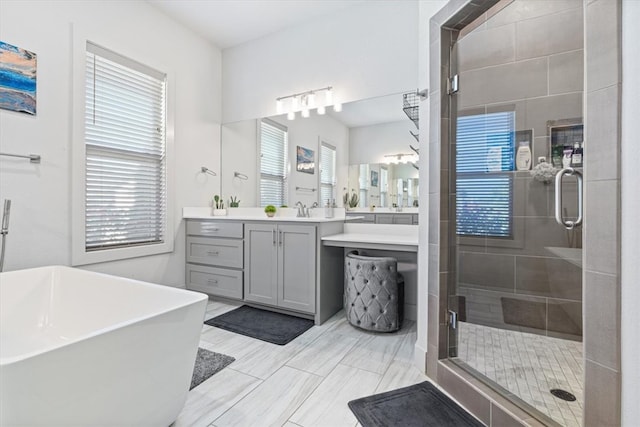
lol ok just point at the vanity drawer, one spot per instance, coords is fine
(384, 218)
(363, 217)
(214, 251)
(214, 229)
(215, 281)
(403, 219)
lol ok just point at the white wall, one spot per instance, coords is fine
(369, 144)
(239, 149)
(40, 220)
(363, 51)
(630, 274)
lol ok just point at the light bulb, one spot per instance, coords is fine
(291, 115)
(305, 112)
(329, 97)
(337, 107)
(279, 106)
(321, 110)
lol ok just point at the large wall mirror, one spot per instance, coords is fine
(368, 144)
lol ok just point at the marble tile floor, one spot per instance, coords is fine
(307, 382)
(528, 366)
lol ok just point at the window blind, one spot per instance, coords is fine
(363, 181)
(327, 173)
(273, 163)
(125, 193)
(484, 186)
(384, 189)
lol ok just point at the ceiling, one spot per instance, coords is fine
(228, 23)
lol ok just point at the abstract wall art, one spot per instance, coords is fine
(17, 79)
(305, 160)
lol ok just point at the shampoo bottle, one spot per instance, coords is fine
(523, 156)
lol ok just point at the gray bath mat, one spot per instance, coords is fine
(264, 325)
(207, 364)
(420, 405)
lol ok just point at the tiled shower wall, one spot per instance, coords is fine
(601, 276)
(528, 60)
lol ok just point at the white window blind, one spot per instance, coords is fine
(273, 163)
(327, 173)
(363, 181)
(125, 193)
(484, 185)
(384, 187)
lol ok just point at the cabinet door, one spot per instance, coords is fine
(297, 267)
(261, 261)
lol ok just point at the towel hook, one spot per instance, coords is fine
(205, 169)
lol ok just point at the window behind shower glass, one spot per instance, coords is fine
(273, 163)
(484, 181)
(125, 152)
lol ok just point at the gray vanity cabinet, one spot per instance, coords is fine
(280, 266)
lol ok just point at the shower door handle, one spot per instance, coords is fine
(568, 224)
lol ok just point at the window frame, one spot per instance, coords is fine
(326, 145)
(79, 253)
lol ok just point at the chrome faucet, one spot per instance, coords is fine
(301, 209)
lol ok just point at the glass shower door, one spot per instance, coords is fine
(515, 297)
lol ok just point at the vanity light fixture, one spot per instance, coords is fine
(306, 101)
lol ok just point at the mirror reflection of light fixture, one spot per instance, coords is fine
(400, 158)
(306, 101)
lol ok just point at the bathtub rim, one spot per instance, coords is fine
(197, 297)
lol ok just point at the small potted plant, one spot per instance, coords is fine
(270, 210)
(218, 206)
(234, 202)
(352, 201)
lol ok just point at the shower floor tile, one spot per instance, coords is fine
(528, 366)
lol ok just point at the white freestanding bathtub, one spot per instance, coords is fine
(82, 349)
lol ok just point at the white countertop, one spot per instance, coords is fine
(376, 236)
(257, 214)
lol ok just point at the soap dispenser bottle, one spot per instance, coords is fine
(576, 157)
(523, 156)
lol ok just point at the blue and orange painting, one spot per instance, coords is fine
(17, 79)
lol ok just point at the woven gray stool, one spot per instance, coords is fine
(373, 293)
